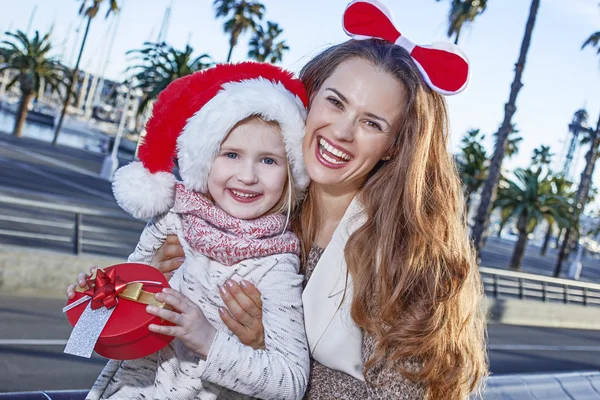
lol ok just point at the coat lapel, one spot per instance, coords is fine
(334, 340)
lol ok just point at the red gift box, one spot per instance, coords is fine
(126, 335)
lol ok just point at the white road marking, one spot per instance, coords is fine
(528, 347)
(33, 342)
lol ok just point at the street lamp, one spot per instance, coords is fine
(111, 162)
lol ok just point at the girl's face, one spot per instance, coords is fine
(248, 175)
(352, 124)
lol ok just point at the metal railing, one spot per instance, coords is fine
(79, 229)
(512, 284)
(83, 229)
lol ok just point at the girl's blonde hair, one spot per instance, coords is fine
(416, 285)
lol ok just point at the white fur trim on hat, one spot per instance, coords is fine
(142, 193)
(201, 138)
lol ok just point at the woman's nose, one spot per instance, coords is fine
(343, 129)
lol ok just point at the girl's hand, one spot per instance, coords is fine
(243, 315)
(169, 256)
(191, 326)
(81, 278)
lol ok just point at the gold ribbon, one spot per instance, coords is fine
(133, 292)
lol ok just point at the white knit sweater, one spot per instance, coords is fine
(231, 370)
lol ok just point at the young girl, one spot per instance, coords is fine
(237, 132)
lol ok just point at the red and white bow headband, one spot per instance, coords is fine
(443, 66)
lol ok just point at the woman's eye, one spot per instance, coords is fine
(335, 102)
(374, 125)
(233, 156)
(269, 161)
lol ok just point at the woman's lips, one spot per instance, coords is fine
(327, 159)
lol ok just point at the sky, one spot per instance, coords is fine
(559, 77)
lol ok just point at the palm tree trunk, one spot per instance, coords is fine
(230, 51)
(519, 252)
(468, 202)
(488, 194)
(235, 32)
(547, 239)
(559, 236)
(71, 84)
(456, 37)
(22, 112)
(583, 191)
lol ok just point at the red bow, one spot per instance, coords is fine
(443, 65)
(104, 289)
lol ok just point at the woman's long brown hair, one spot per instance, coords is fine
(419, 294)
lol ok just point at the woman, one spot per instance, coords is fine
(385, 205)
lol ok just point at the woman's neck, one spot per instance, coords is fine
(332, 206)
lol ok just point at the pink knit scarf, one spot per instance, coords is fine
(226, 239)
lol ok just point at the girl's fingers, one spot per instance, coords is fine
(168, 315)
(175, 299)
(81, 277)
(71, 291)
(165, 330)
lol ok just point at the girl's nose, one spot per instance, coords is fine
(247, 175)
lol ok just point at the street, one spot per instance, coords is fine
(33, 170)
(33, 333)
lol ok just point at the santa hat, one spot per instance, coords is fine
(191, 118)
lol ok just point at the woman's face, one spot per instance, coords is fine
(352, 124)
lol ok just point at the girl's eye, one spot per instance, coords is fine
(233, 156)
(335, 102)
(269, 161)
(374, 125)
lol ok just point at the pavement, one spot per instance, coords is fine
(34, 331)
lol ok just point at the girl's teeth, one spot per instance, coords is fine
(333, 150)
(245, 195)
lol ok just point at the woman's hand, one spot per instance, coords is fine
(191, 326)
(169, 256)
(81, 282)
(244, 317)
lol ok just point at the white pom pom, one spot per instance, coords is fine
(142, 193)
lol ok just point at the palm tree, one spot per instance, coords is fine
(541, 157)
(472, 163)
(89, 12)
(159, 64)
(529, 198)
(263, 46)
(35, 69)
(490, 187)
(463, 13)
(583, 191)
(242, 14)
(561, 186)
(514, 140)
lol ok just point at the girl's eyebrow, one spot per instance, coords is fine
(262, 154)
